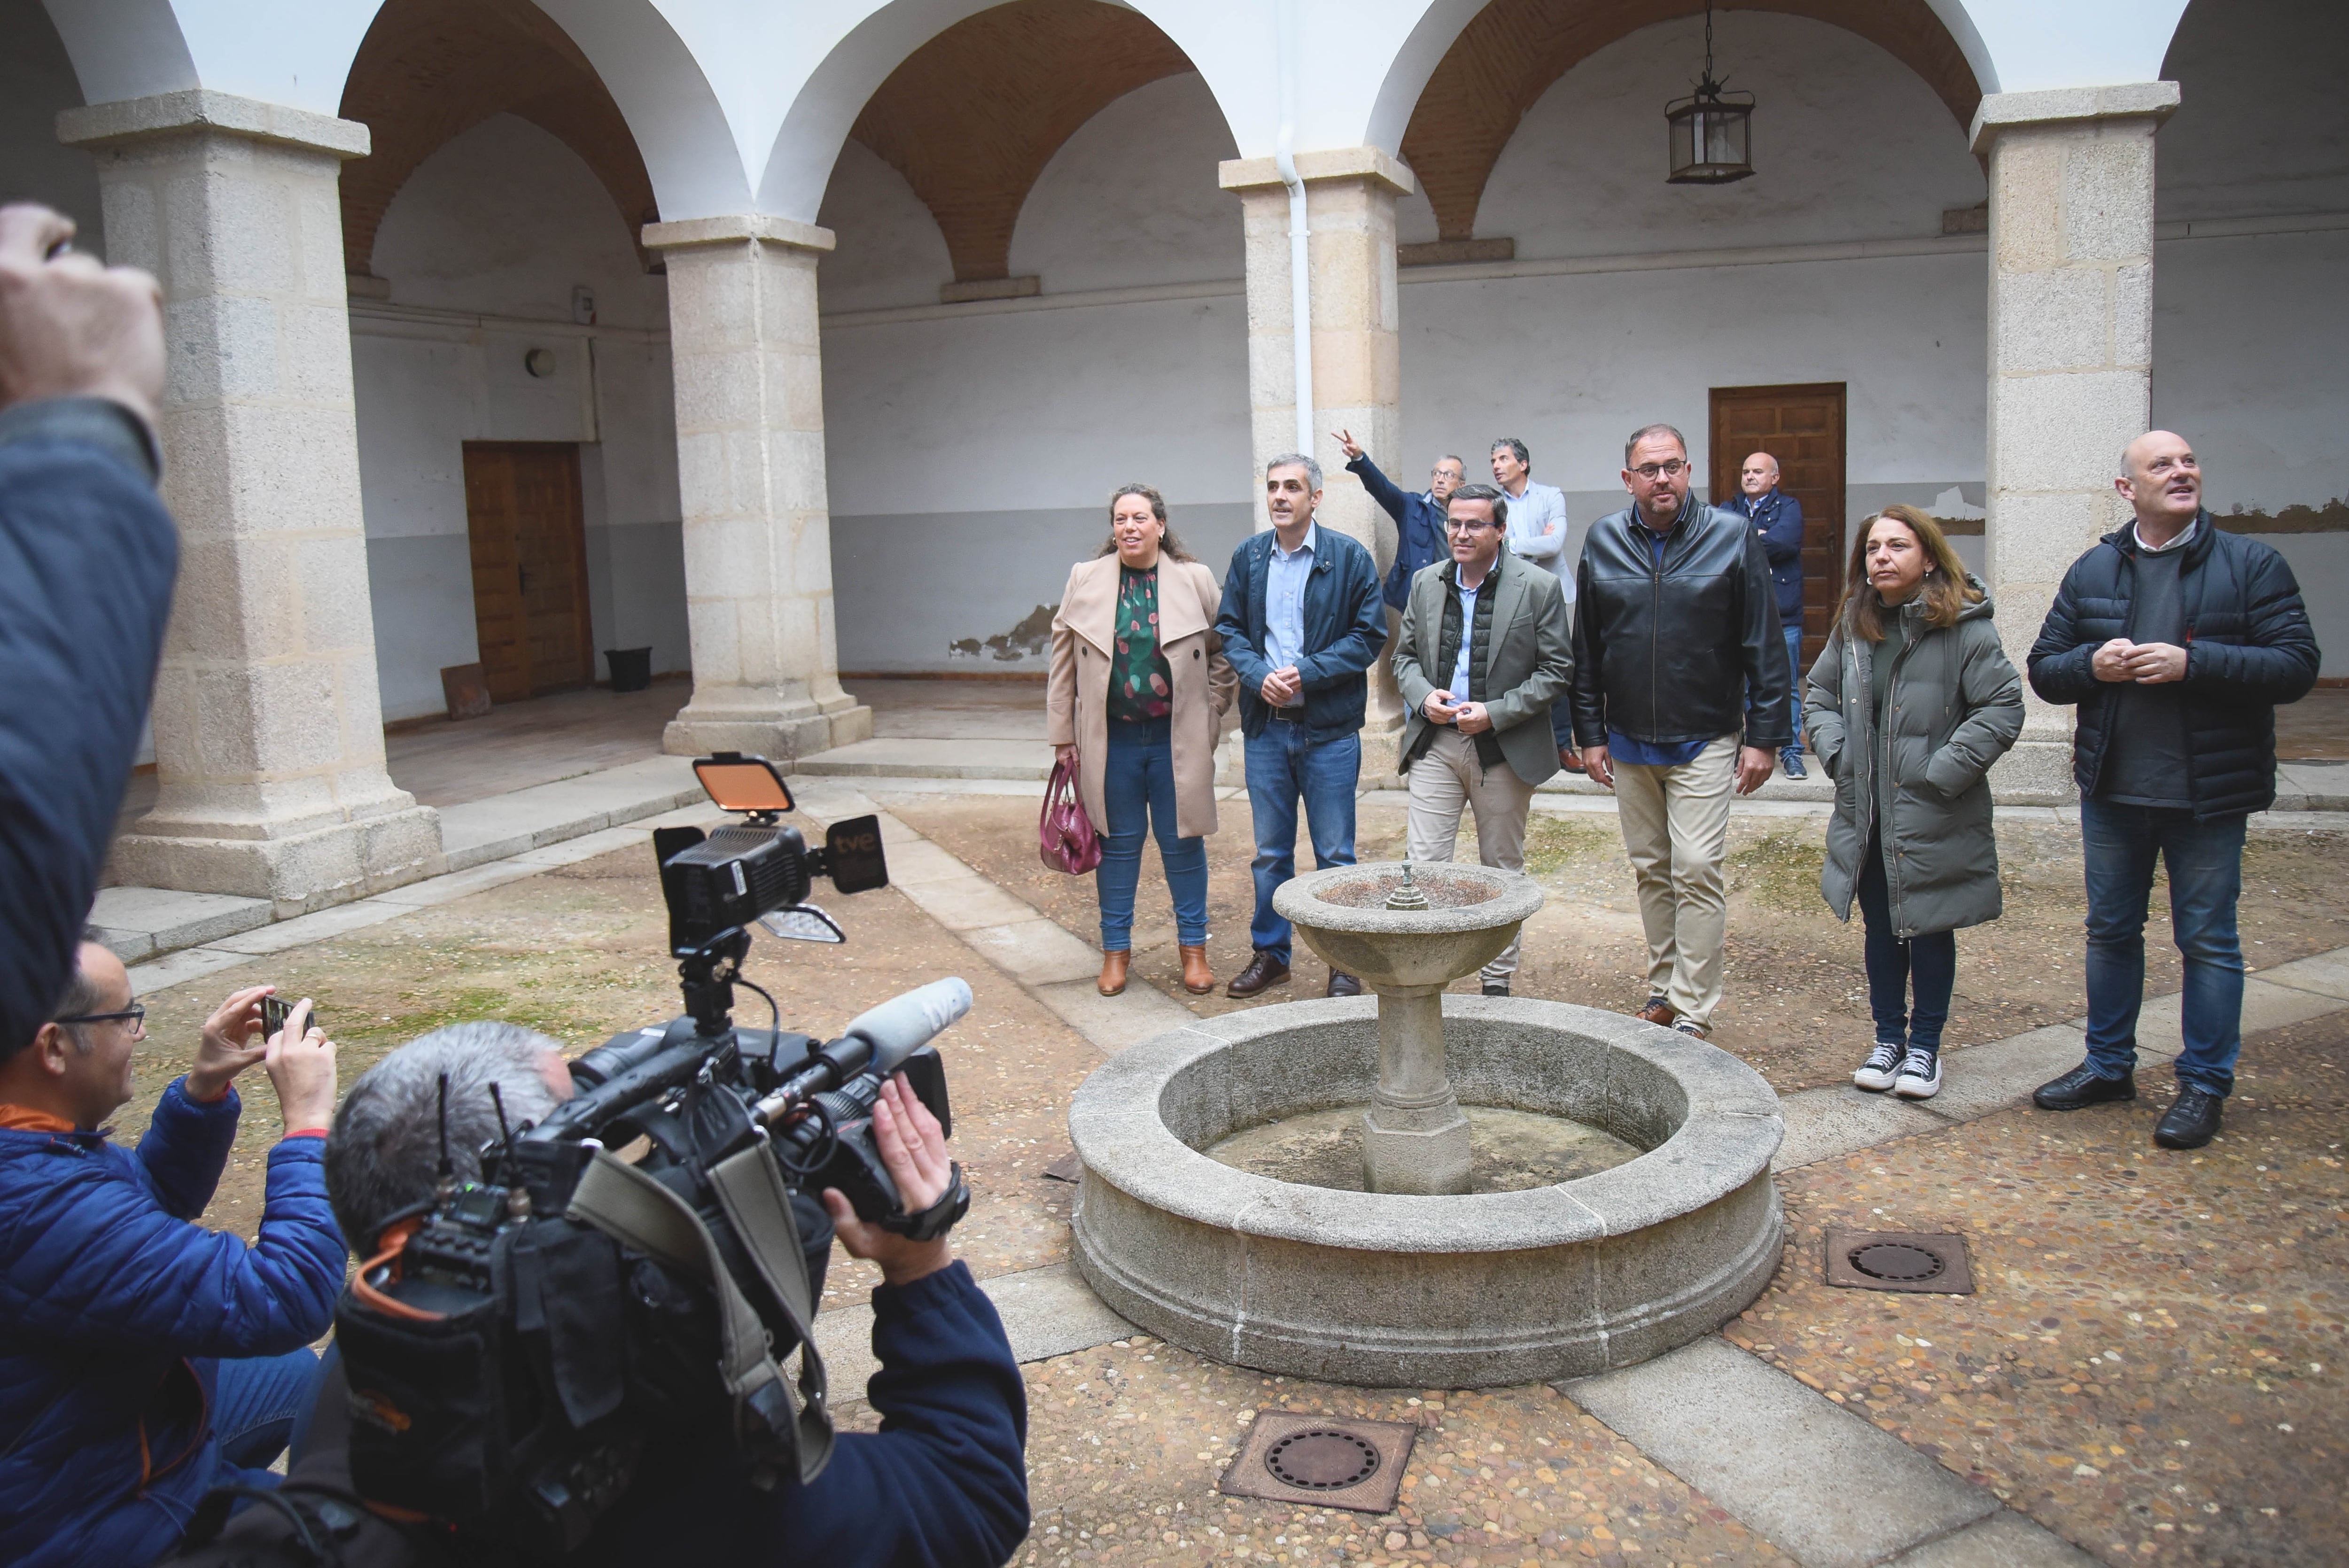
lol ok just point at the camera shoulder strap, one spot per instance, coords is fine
(637, 1211)
(750, 1189)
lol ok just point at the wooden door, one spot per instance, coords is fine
(530, 566)
(1802, 426)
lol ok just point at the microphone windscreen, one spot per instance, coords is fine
(903, 1025)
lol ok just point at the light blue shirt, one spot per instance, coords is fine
(1284, 603)
(1467, 638)
(1537, 530)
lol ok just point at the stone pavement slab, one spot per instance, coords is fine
(305, 929)
(967, 901)
(1820, 1482)
(2327, 973)
(1035, 952)
(178, 968)
(905, 758)
(524, 819)
(1995, 1075)
(1046, 1312)
(2266, 1005)
(138, 922)
(1113, 1023)
(1823, 1123)
(2004, 1540)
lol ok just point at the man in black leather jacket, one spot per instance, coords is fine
(1682, 691)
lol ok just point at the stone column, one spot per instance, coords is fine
(758, 529)
(268, 728)
(1357, 354)
(2071, 358)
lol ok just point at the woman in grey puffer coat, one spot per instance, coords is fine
(1906, 709)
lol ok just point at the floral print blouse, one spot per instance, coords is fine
(1140, 683)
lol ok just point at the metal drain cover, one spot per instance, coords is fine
(1932, 1264)
(1317, 1459)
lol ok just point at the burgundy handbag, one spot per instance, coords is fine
(1065, 839)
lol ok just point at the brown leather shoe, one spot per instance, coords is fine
(1264, 972)
(1343, 985)
(1657, 1011)
(1197, 978)
(1112, 974)
(1572, 762)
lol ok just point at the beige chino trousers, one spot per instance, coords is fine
(1448, 779)
(1676, 831)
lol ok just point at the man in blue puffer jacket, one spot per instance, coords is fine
(145, 1360)
(111, 1419)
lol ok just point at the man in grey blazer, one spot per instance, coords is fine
(1484, 651)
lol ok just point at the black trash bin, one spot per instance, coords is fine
(632, 668)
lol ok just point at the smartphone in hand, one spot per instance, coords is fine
(275, 1010)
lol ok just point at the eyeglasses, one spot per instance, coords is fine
(135, 1016)
(1467, 524)
(1652, 471)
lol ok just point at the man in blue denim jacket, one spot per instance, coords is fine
(1301, 620)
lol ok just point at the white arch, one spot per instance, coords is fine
(856, 52)
(691, 150)
(2011, 45)
(292, 52)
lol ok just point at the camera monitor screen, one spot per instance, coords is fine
(739, 783)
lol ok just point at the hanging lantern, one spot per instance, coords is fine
(1710, 132)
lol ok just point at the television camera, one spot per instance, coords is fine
(630, 1267)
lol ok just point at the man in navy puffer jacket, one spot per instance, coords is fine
(2177, 640)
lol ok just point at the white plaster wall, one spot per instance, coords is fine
(887, 250)
(1108, 213)
(1848, 144)
(2258, 128)
(36, 80)
(970, 459)
(499, 226)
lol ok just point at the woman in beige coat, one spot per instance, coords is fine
(1138, 692)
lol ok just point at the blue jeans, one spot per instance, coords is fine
(258, 1404)
(1928, 963)
(1283, 765)
(1138, 792)
(1794, 657)
(2205, 862)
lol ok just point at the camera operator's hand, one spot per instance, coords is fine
(914, 1148)
(228, 1046)
(300, 1061)
(71, 327)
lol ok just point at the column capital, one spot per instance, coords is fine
(687, 233)
(200, 108)
(1330, 163)
(2155, 101)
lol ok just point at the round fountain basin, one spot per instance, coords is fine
(1385, 1290)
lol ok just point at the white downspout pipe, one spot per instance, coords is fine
(1300, 286)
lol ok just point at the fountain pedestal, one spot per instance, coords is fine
(1408, 931)
(1414, 1136)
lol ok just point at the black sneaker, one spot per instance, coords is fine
(2192, 1122)
(1921, 1076)
(1496, 987)
(2082, 1086)
(1882, 1067)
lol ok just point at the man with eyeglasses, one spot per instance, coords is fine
(1682, 693)
(145, 1360)
(1484, 651)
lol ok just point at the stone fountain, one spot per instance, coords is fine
(1407, 939)
(1434, 1257)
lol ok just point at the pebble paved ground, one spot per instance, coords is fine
(2217, 1435)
